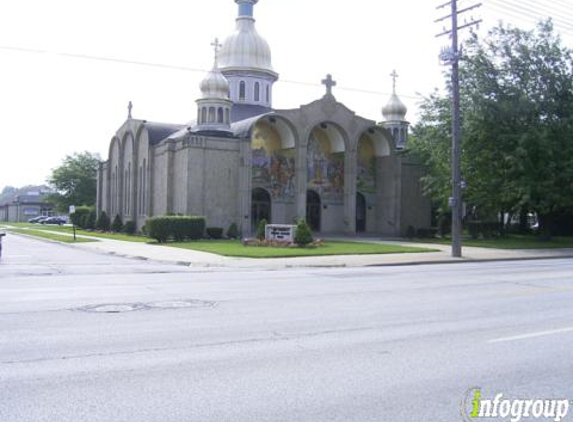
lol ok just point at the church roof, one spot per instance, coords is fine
(159, 131)
(242, 129)
(245, 111)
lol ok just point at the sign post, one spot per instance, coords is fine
(71, 211)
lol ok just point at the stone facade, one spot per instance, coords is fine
(341, 172)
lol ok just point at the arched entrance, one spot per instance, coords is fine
(313, 210)
(260, 206)
(360, 213)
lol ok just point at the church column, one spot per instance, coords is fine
(350, 175)
(119, 192)
(301, 166)
(100, 179)
(244, 186)
(134, 182)
(170, 177)
(149, 184)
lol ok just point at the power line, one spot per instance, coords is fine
(551, 9)
(518, 13)
(527, 8)
(521, 15)
(186, 69)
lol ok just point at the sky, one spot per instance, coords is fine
(68, 68)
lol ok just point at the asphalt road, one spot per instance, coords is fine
(370, 344)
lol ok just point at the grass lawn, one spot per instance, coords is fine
(235, 248)
(69, 229)
(51, 236)
(512, 241)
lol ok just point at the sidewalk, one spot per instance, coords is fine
(204, 259)
(167, 254)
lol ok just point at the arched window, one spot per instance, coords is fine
(211, 114)
(268, 94)
(396, 135)
(220, 115)
(203, 115)
(227, 116)
(242, 91)
(257, 92)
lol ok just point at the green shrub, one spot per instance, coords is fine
(84, 221)
(129, 227)
(177, 227)
(77, 218)
(103, 222)
(90, 223)
(117, 225)
(159, 228)
(302, 234)
(215, 232)
(233, 232)
(485, 229)
(261, 229)
(410, 232)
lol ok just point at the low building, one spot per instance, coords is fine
(25, 205)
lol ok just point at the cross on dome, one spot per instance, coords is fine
(329, 83)
(217, 47)
(129, 108)
(394, 76)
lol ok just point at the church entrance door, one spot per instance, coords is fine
(260, 206)
(360, 213)
(313, 210)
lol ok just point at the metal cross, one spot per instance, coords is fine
(394, 77)
(329, 83)
(217, 46)
(129, 108)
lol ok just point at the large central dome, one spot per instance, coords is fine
(245, 49)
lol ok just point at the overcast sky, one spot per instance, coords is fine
(68, 68)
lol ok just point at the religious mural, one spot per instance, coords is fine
(325, 170)
(273, 168)
(366, 181)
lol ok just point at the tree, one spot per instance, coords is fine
(103, 223)
(75, 180)
(117, 225)
(302, 234)
(517, 114)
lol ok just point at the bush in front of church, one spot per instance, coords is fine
(77, 218)
(261, 229)
(117, 225)
(176, 227)
(103, 222)
(302, 235)
(233, 232)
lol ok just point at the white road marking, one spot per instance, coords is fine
(532, 335)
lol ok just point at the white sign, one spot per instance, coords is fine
(280, 232)
(72, 209)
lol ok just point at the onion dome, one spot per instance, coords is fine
(215, 85)
(394, 110)
(245, 49)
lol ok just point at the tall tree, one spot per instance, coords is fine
(75, 180)
(517, 102)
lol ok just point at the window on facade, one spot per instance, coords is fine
(268, 94)
(211, 114)
(220, 115)
(227, 116)
(257, 91)
(203, 115)
(242, 91)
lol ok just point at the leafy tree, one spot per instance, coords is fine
(75, 180)
(517, 116)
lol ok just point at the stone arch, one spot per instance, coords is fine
(381, 140)
(273, 157)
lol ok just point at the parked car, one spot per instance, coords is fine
(36, 219)
(54, 220)
(1, 236)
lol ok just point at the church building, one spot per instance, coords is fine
(241, 160)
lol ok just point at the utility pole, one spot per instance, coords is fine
(452, 56)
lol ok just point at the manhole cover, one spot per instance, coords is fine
(176, 304)
(113, 308)
(116, 308)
